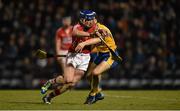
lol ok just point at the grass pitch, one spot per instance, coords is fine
(73, 100)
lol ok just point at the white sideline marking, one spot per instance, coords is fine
(146, 98)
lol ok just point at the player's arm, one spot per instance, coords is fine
(57, 43)
(78, 33)
(91, 41)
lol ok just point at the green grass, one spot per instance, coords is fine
(116, 100)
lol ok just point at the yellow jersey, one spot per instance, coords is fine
(101, 47)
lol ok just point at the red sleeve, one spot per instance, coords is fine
(78, 26)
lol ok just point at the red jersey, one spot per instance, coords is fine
(77, 40)
(66, 37)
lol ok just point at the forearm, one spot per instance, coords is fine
(79, 33)
(92, 41)
(57, 46)
(81, 45)
(57, 49)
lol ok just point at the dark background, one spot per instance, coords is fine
(146, 33)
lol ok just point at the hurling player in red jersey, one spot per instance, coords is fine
(76, 62)
(63, 40)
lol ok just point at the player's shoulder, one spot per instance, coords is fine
(59, 29)
(78, 26)
(102, 26)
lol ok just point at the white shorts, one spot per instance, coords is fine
(78, 60)
(62, 52)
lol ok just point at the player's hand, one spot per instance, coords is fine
(79, 47)
(98, 34)
(103, 32)
(93, 34)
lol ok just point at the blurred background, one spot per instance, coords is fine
(146, 32)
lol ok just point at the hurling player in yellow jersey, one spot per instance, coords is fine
(102, 62)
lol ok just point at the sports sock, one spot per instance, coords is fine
(95, 85)
(59, 90)
(90, 80)
(59, 80)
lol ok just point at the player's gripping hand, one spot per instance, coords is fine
(103, 32)
(100, 33)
